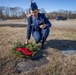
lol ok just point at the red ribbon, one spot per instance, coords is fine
(25, 51)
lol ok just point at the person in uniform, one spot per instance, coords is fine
(38, 25)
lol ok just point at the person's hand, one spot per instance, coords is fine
(42, 26)
(27, 42)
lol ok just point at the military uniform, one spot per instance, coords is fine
(34, 29)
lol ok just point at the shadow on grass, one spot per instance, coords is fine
(39, 55)
(13, 25)
(40, 59)
(61, 44)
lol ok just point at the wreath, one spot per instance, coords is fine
(23, 50)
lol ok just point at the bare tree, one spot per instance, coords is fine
(18, 12)
(1, 12)
(42, 10)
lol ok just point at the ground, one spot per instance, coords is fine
(62, 35)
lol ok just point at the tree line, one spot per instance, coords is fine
(65, 13)
(12, 12)
(20, 13)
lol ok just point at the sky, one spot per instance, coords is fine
(48, 5)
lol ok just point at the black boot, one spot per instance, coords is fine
(42, 44)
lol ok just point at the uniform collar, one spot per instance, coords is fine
(35, 18)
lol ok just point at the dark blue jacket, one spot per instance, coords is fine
(31, 28)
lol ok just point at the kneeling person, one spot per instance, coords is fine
(38, 25)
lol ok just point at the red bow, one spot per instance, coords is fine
(25, 51)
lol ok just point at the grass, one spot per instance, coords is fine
(58, 65)
(74, 37)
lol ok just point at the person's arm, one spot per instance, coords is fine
(47, 22)
(29, 27)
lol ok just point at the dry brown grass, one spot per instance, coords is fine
(59, 64)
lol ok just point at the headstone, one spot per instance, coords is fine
(29, 65)
(69, 51)
(37, 61)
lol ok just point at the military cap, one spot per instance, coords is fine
(33, 6)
